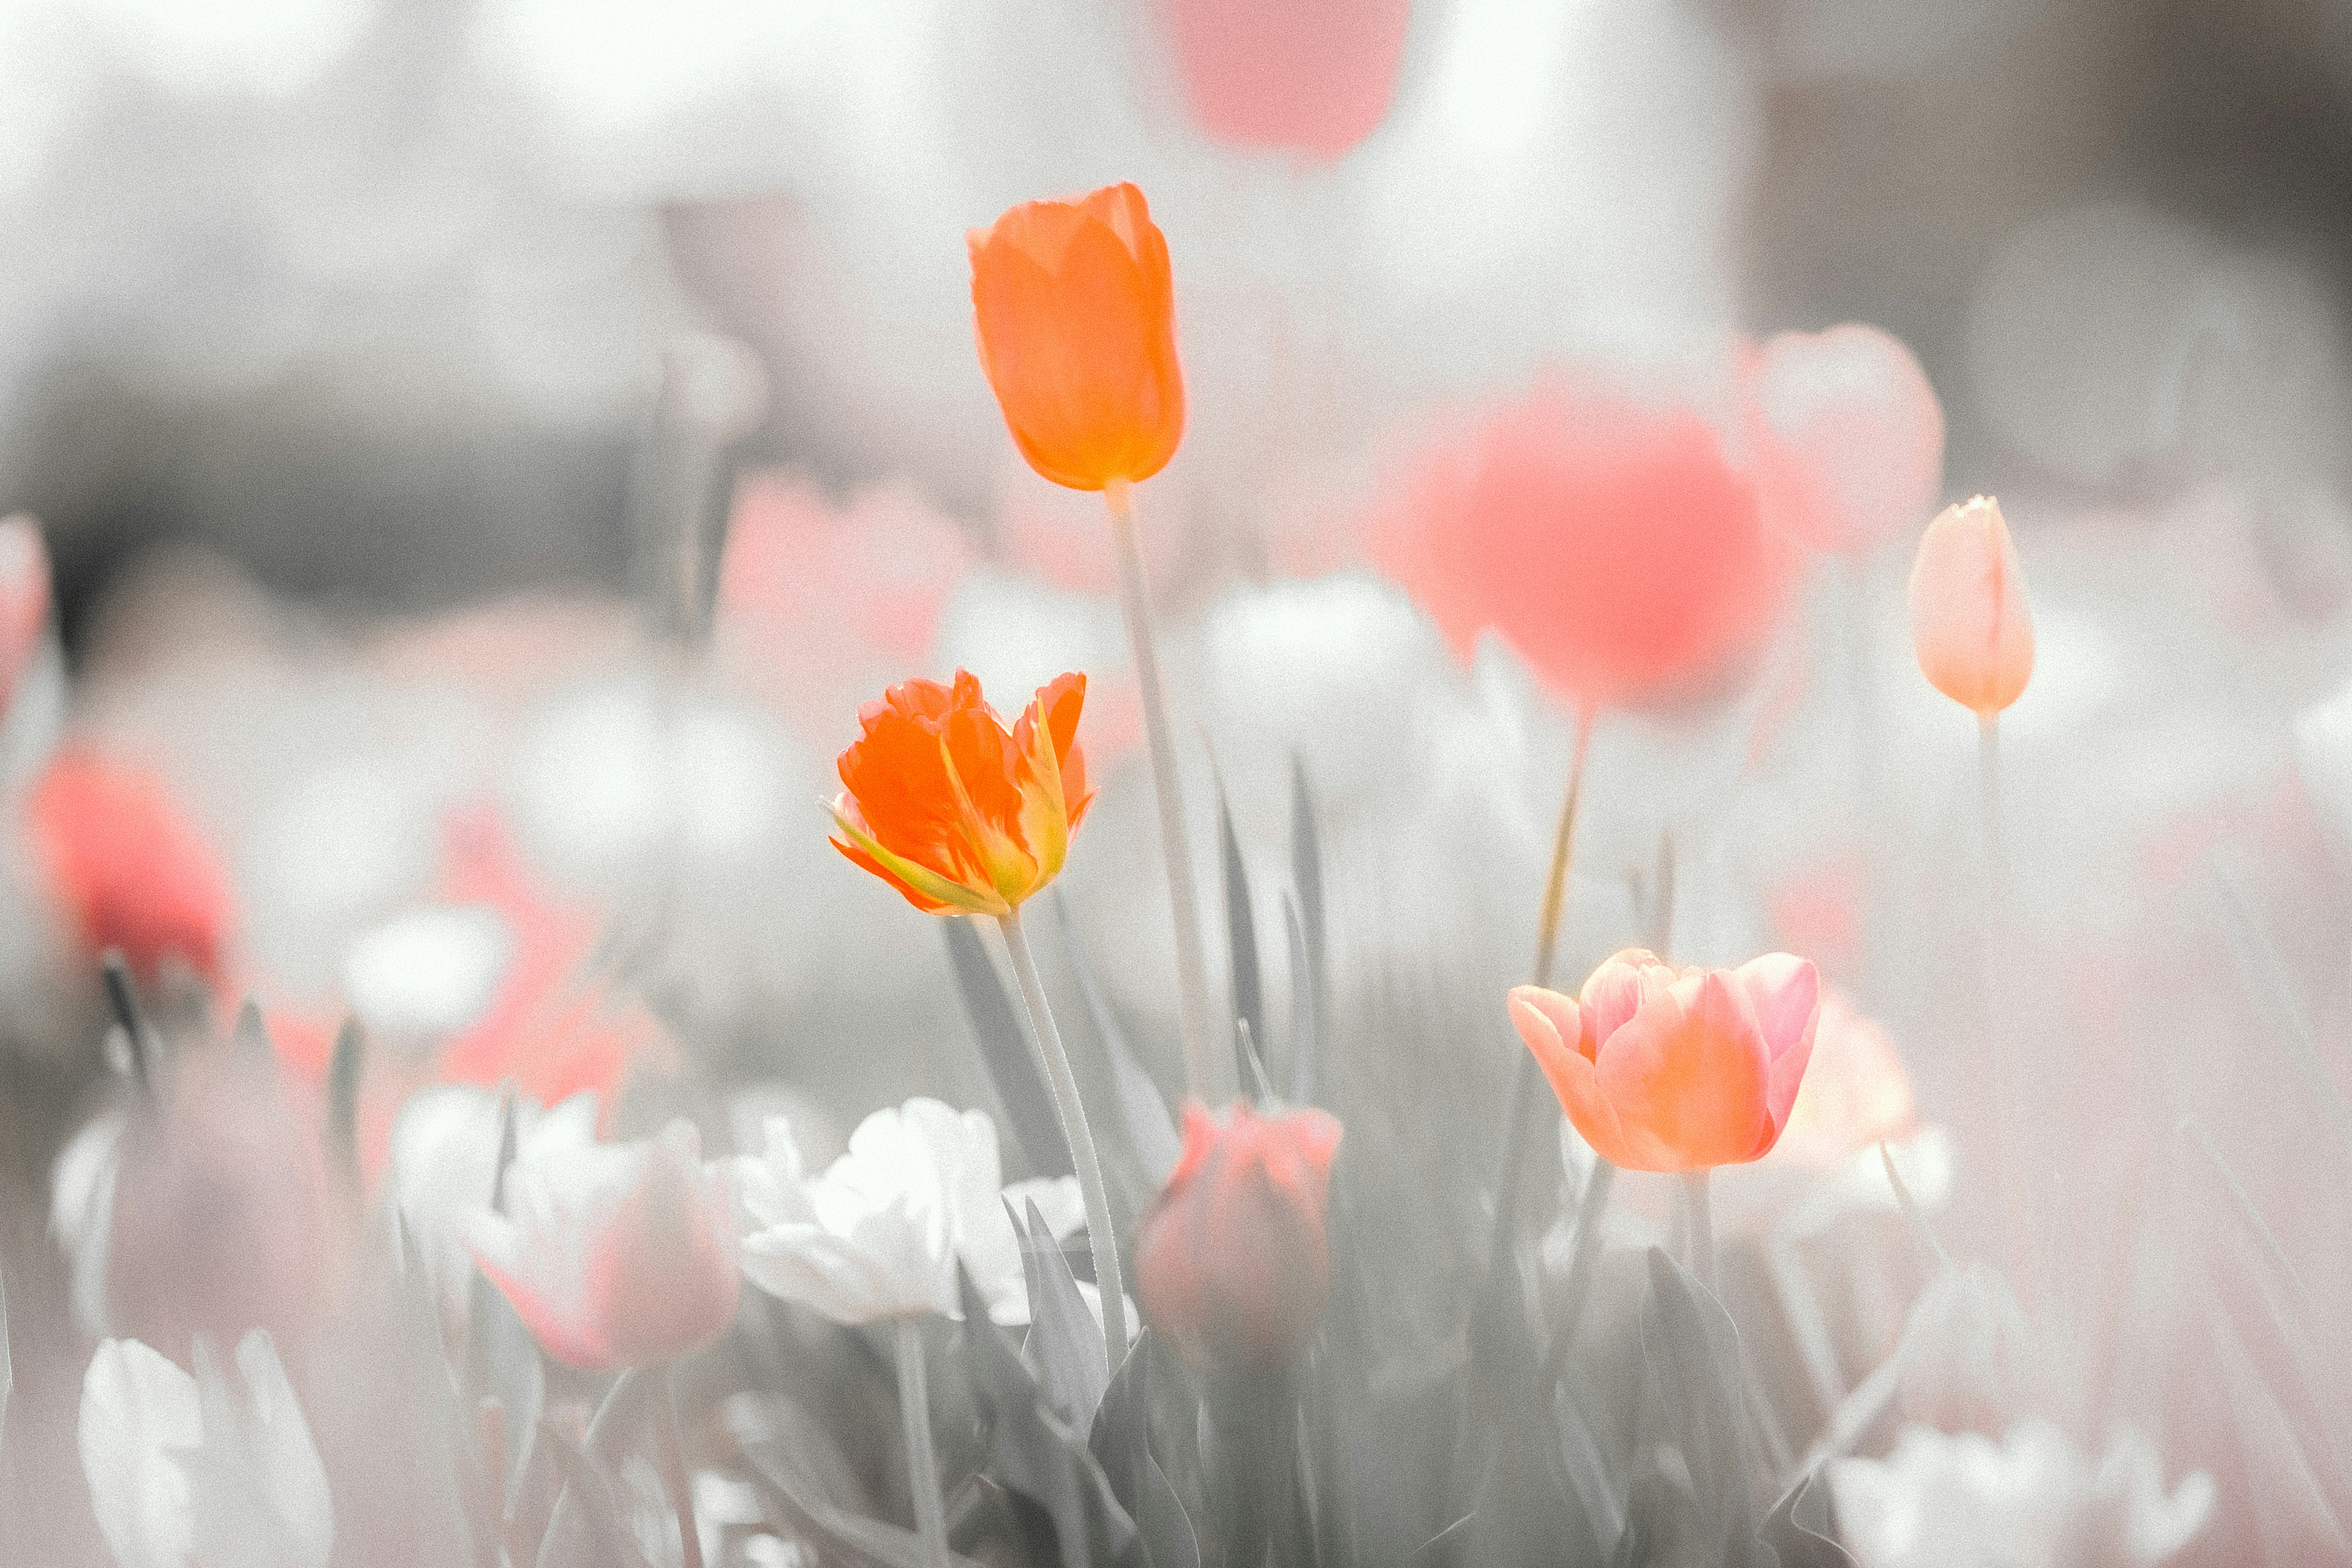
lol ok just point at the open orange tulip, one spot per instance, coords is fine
(1077, 319)
(1969, 623)
(1668, 1069)
(945, 805)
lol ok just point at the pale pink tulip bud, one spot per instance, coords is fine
(616, 1254)
(218, 1222)
(1970, 622)
(1849, 436)
(23, 599)
(1232, 1261)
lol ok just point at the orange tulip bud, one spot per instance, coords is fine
(1077, 333)
(1969, 618)
(1668, 1069)
(943, 804)
(1230, 1262)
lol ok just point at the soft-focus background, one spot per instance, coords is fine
(366, 364)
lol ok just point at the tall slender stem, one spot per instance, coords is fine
(1591, 1205)
(1202, 1076)
(675, 1478)
(2007, 1172)
(1528, 1084)
(923, 1459)
(1081, 1139)
(1563, 852)
(1702, 1226)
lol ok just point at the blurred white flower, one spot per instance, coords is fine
(615, 1254)
(427, 973)
(1969, 1360)
(2323, 755)
(190, 1472)
(445, 1154)
(2034, 1497)
(878, 1235)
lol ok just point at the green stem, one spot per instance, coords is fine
(1702, 1226)
(1201, 1076)
(922, 1458)
(1047, 1039)
(1527, 1086)
(675, 1480)
(2007, 1172)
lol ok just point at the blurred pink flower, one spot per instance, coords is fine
(817, 602)
(201, 1210)
(1848, 436)
(1230, 1260)
(1676, 1070)
(1855, 1092)
(126, 865)
(23, 599)
(1970, 623)
(1613, 546)
(1307, 76)
(551, 1026)
(616, 1254)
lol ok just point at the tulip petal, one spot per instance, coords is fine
(1545, 1020)
(1614, 991)
(1688, 1078)
(1785, 992)
(917, 883)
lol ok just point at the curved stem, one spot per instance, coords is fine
(2007, 1172)
(675, 1478)
(1527, 1086)
(1081, 1139)
(922, 1458)
(1589, 1207)
(1201, 1074)
(1702, 1226)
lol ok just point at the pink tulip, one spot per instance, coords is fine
(1310, 76)
(219, 1218)
(23, 599)
(1848, 437)
(1231, 1261)
(1676, 1070)
(1614, 546)
(616, 1254)
(1970, 623)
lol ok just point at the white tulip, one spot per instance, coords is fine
(1966, 1502)
(445, 1153)
(878, 1235)
(190, 1472)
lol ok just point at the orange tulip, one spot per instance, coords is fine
(1970, 623)
(1676, 1070)
(943, 804)
(1077, 333)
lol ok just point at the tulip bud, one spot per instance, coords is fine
(209, 1216)
(617, 1254)
(23, 599)
(1968, 617)
(127, 866)
(1076, 321)
(1230, 1262)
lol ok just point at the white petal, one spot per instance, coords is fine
(138, 1411)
